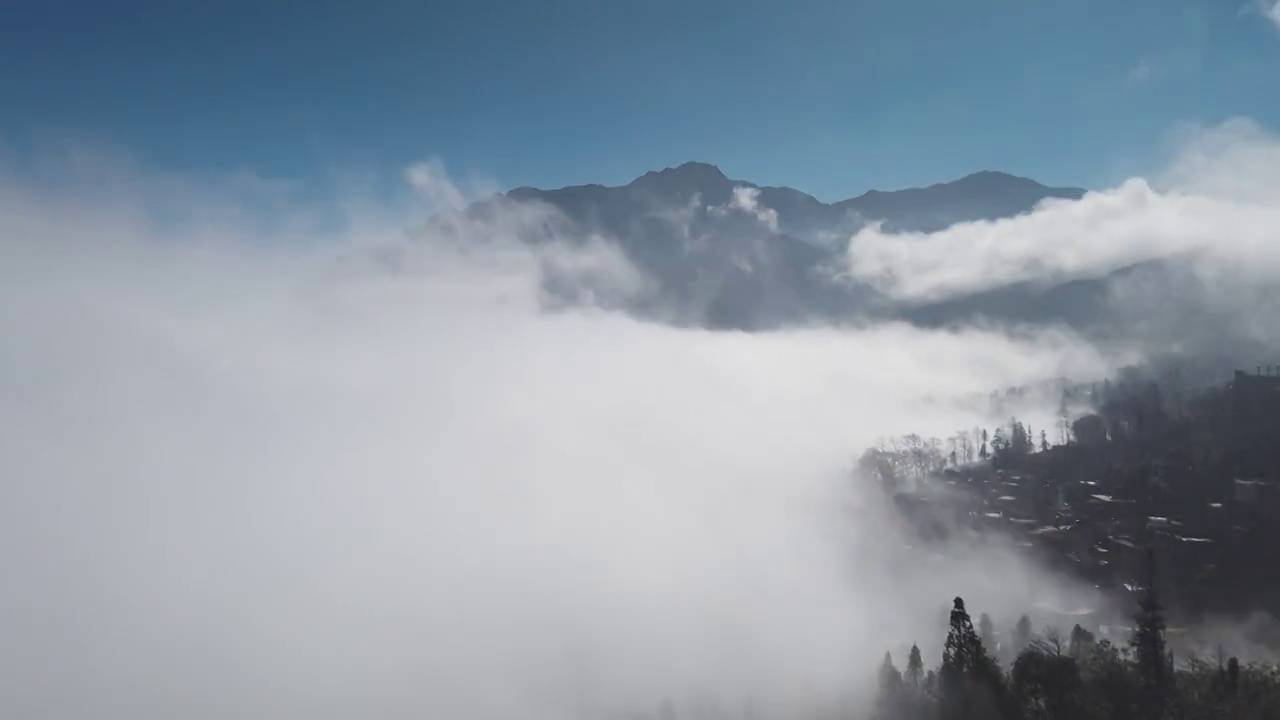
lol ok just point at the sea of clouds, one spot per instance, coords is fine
(265, 457)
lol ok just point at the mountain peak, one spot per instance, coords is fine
(697, 171)
(687, 180)
(995, 179)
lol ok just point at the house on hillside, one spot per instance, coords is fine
(1265, 383)
(1258, 494)
(1090, 431)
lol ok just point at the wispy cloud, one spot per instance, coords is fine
(1269, 9)
(746, 199)
(1140, 71)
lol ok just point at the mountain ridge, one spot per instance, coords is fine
(985, 177)
(730, 253)
(981, 195)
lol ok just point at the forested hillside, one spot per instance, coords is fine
(1056, 675)
(1165, 498)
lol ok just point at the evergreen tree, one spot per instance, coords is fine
(1019, 442)
(998, 442)
(1044, 441)
(972, 685)
(1021, 634)
(987, 633)
(1153, 664)
(982, 449)
(915, 667)
(889, 699)
(963, 648)
(1080, 644)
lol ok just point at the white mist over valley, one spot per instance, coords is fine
(267, 457)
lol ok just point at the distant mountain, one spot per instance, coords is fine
(985, 195)
(733, 254)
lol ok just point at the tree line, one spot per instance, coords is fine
(1079, 678)
(912, 459)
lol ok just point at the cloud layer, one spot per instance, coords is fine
(293, 464)
(1217, 200)
(1186, 259)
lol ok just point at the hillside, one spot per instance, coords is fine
(1154, 465)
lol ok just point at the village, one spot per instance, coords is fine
(1097, 510)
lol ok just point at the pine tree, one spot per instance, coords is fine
(1019, 443)
(998, 442)
(963, 644)
(982, 450)
(1021, 634)
(987, 632)
(889, 699)
(972, 685)
(1044, 441)
(1080, 644)
(1154, 667)
(915, 667)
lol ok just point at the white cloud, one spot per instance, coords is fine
(1217, 200)
(746, 199)
(431, 182)
(1234, 161)
(1271, 10)
(246, 480)
(1267, 9)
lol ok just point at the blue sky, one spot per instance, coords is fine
(831, 97)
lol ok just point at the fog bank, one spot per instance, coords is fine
(254, 470)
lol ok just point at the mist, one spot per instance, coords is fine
(255, 469)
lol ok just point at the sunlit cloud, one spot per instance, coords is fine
(1216, 201)
(746, 200)
(369, 471)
